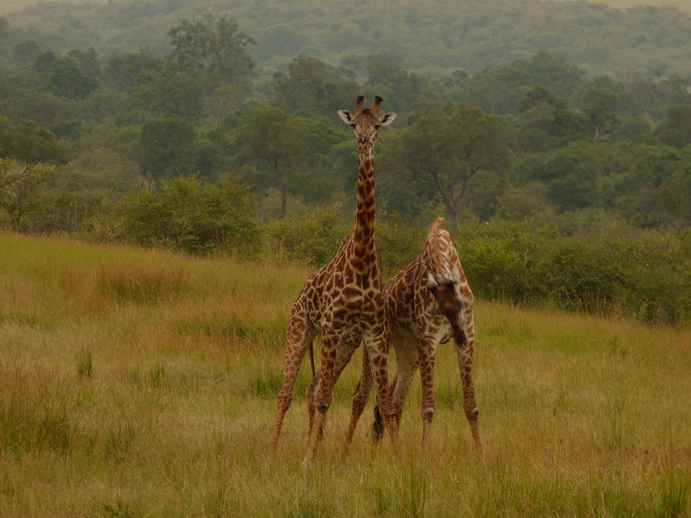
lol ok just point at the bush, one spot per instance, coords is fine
(188, 215)
(312, 239)
(641, 274)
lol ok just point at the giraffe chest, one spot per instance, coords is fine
(354, 307)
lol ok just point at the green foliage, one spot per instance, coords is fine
(675, 130)
(29, 143)
(312, 239)
(212, 43)
(619, 271)
(166, 146)
(189, 215)
(444, 146)
(277, 141)
(20, 187)
(312, 88)
(61, 211)
(396, 243)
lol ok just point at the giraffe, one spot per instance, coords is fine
(343, 300)
(428, 303)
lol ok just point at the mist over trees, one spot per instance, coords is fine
(213, 134)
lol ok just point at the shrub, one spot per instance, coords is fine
(189, 215)
(636, 273)
(313, 238)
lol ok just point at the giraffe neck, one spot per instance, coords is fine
(363, 228)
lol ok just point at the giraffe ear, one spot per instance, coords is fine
(387, 119)
(346, 117)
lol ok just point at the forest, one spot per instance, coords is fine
(554, 137)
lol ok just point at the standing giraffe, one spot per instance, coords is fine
(428, 303)
(343, 300)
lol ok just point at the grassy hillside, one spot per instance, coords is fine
(139, 383)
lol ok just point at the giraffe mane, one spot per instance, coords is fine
(438, 251)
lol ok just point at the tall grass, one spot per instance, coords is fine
(160, 402)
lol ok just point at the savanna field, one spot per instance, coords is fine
(140, 383)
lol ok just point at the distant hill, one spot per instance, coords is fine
(434, 38)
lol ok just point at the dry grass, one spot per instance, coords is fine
(160, 402)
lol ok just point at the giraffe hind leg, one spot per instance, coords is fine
(360, 396)
(377, 353)
(407, 360)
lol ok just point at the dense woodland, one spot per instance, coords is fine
(555, 138)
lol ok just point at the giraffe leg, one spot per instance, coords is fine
(327, 379)
(377, 350)
(429, 403)
(407, 360)
(299, 335)
(465, 365)
(406, 365)
(360, 396)
(343, 356)
(311, 405)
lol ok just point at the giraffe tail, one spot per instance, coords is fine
(377, 425)
(312, 357)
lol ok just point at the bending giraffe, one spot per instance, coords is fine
(343, 300)
(428, 303)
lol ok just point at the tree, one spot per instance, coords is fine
(212, 43)
(66, 77)
(388, 78)
(445, 145)
(601, 105)
(278, 140)
(122, 71)
(30, 143)
(312, 88)
(675, 130)
(540, 95)
(20, 184)
(171, 90)
(166, 145)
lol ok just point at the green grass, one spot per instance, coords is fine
(161, 401)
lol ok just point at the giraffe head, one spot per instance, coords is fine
(366, 122)
(444, 280)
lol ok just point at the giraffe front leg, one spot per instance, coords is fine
(323, 396)
(465, 366)
(428, 351)
(407, 361)
(300, 333)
